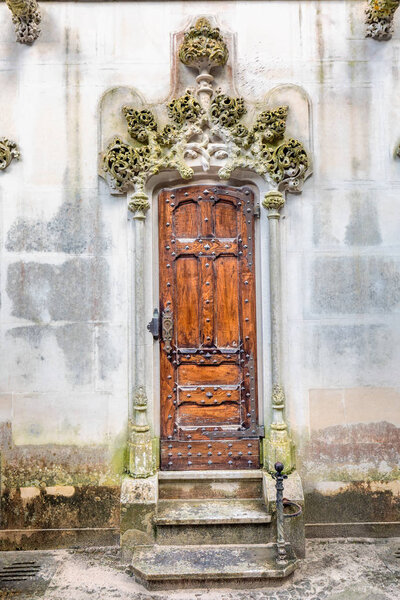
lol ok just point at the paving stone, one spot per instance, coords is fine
(332, 570)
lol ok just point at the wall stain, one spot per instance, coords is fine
(347, 284)
(75, 229)
(74, 339)
(358, 502)
(77, 290)
(109, 356)
(363, 226)
(354, 451)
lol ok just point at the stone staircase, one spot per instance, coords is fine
(210, 529)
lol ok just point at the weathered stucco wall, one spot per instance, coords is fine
(64, 255)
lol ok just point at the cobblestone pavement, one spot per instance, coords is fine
(333, 570)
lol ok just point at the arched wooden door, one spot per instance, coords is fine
(208, 329)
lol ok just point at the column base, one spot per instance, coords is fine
(279, 447)
(143, 454)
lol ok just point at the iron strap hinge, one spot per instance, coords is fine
(256, 211)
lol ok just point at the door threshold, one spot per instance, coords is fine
(237, 474)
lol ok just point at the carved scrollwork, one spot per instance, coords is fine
(185, 108)
(26, 18)
(205, 125)
(8, 151)
(227, 111)
(379, 18)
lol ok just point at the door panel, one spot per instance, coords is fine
(187, 302)
(226, 302)
(208, 341)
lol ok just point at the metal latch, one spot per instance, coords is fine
(154, 325)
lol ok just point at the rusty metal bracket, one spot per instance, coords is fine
(154, 325)
(287, 502)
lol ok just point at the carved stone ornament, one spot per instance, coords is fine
(380, 14)
(205, 125)
(26, 18)
(8, 151)
(273, 201)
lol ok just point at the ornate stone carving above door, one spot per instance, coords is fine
(8, 151)
(204, 126)
(379, 21)
(26, 18)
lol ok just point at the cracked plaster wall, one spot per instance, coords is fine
(64, 260)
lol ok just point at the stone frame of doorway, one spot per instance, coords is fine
(139, 492)
(144, 352)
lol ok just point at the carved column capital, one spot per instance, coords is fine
(379, 18)
(26, 18)
(273, 202)
(139, 204)
(8, 151)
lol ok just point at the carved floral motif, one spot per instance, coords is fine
(379, 18)
(26, 18)
(203, 46)
(8, 151)
(273, 200)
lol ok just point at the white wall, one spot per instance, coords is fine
(64, 259)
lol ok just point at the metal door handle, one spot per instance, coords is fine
(167, 327)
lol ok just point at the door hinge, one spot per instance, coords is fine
(256, 211)
(154, 325)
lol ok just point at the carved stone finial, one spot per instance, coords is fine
(26, 18)
(203, 47)
(8, 151)
(273, 201)
(139, 204)
(379, 18)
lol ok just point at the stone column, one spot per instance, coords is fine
(140, 443)
(278, 446)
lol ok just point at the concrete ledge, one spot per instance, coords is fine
(358, 530)
(41, 539)
(240, 474)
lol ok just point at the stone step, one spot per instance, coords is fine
(190, 485)
(239, 533)
(160, 567)
(211, 512)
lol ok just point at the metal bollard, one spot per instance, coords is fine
(281, 558)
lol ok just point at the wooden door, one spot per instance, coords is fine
(208, 329)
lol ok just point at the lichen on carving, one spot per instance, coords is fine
(379, 18)
(8, 151)
(203, 46)
(206, 125)
(26, 18)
